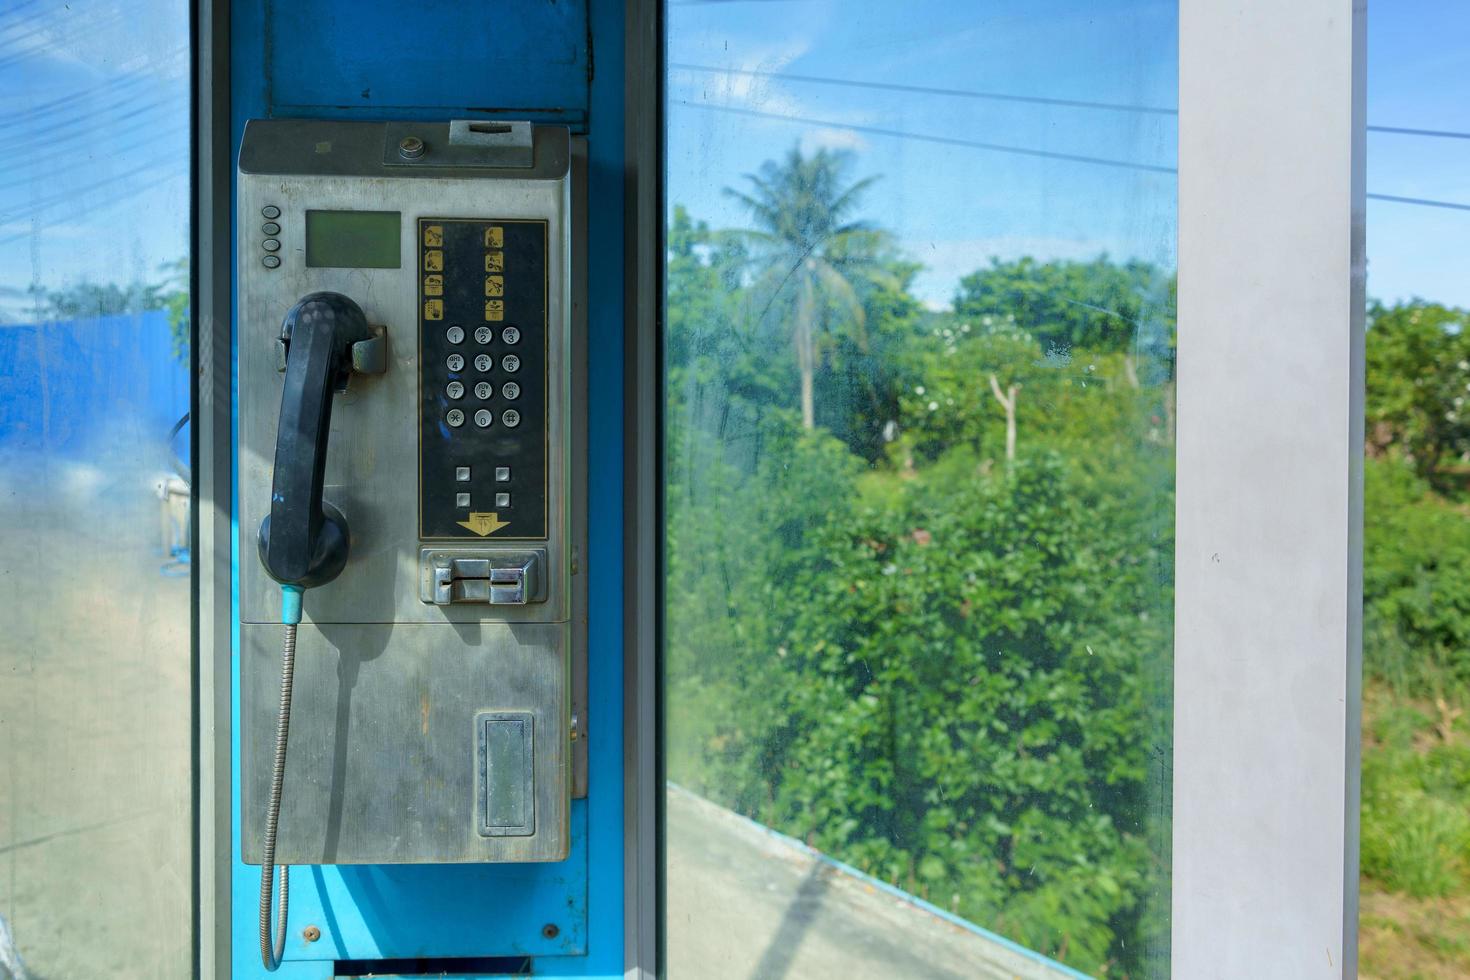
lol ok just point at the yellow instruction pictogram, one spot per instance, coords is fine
(434, 235)
(434, 285)
(433, 309)
(433, 261)
(483, 524)
(494, 310)
(494, 285)
(495, 237)
(494, 261)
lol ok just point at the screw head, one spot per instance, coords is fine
(311, 934)
(550, 930)
(411, 148)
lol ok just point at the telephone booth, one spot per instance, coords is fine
(701, 488)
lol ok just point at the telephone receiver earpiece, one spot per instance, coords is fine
(304, 540)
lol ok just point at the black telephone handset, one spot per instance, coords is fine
(303, 542)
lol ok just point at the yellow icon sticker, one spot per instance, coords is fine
(494, 310)
(433, 261)
(494, 285)
(433, 285)
(495, 237)
(494, 261)
(434, 235)
(433, 309)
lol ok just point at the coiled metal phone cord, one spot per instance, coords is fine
(270, 953)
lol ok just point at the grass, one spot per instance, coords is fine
(1415, 910)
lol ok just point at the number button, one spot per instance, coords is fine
(454, 334)
(483, 362)
(455, 362)
(511, 418)
(483, 335)
(483, 418)
(454, 417)
(511, 335)
(511, 363)
(484, 390)
(510, 390)
(454, 389)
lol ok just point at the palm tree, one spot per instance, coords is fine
(806, 253)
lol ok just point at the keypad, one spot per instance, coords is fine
(486, 281)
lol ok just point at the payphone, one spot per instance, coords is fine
(404, 493)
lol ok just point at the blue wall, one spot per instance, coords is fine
(68, 386)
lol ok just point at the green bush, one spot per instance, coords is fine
(1416, 584)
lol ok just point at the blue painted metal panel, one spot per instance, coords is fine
(482, 910)
(523, 59)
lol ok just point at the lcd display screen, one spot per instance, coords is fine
(353, 239)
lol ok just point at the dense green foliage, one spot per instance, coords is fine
(1418, 362)
(943, 665)
(1416, 624)
(945, 658)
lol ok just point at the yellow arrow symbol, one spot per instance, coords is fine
(483, 524)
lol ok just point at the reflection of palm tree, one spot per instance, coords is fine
(806, 252)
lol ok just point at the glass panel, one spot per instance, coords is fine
(919, 462)
(94, 489)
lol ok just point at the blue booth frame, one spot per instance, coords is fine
(556, 63)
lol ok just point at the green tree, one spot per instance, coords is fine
(1099, 304)
(805, 251)
(1418, 367)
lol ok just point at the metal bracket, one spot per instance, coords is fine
(368, 356)
(481, 143)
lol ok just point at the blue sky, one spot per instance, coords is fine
(95, 187)
(954, 207)
(94, 114)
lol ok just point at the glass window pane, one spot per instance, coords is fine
(94, 477)
(919, 487)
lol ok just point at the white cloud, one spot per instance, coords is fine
(946, 261)
(830, 138)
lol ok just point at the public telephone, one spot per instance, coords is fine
(404, 493)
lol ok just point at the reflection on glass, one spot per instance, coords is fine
(94, 489)
(919, 463)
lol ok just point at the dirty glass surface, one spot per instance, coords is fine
(95, 555)
(919, 390)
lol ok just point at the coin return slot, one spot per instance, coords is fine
(503, 579)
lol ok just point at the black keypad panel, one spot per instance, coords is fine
(483, 362)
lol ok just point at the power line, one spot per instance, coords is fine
(1018, 150)
(928, 90)
(945, 140)
(1407, 131)
(1421, 201)
(1003, 96)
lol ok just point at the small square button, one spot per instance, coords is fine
(462, 474)
(461, 500)
(502, 474)
(502, 500)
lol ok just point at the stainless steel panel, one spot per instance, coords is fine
(373, 458)
(382, 763)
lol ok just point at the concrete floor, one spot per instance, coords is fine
(94, 724)
(744, 903)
